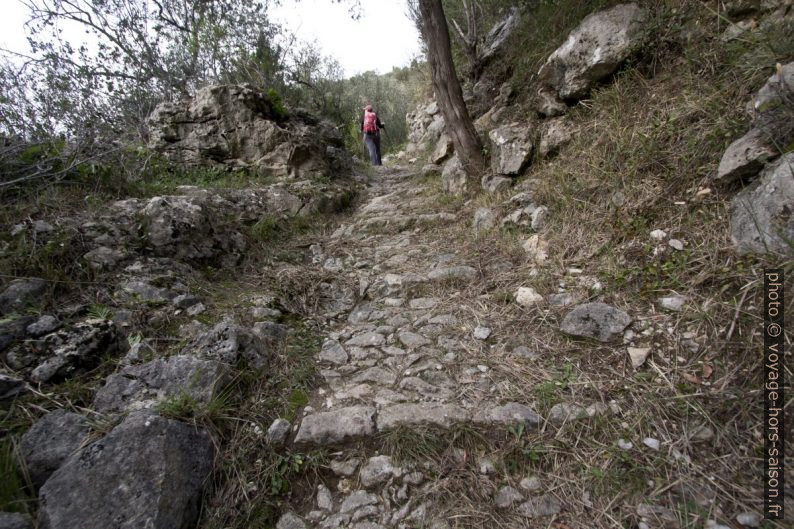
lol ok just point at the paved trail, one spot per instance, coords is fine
(406, 358)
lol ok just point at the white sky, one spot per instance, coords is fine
(382, 38)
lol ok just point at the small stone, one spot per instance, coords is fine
(506, 497)
(625, 445)
(713, 524)
(673, 303)
(638, 355)
(324, 500)
(336, 426)
(675, 244)
(345, 468)
(531, 484)
(412, 340)
(196, 309)
(482, 333)
(41, 226)
(545, 505)
(278, 431)
(333, 352)
(527, 297)
(658, 235)
(184, 301)
(536, 248)
(749, 519)
(702, 433)
(487, 467)
(356, 500)
(378, 469)
(652, 443)
(44, 325)
(484, 220)
(290, 520)
(524, 352)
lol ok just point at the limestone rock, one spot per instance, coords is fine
(333, 352)
(10, 386)
(510, 414)
(231, 344)
(278, 431)
(104, 258)
(761, 219)
(595, 320)
(44, 325)
(452, 273)
(145, 385)
(484, 220)
(442, 151)
(495, 184)
(290, 520)
(746, 156)
(19, 294)
(593, 51)
(50, 441)
(423, 414)
(527, 297)
(673, 303)
(378, 469)
(555, 134)
(545, 505)
(638, 355)
(147, 472)
(512, 148)
(506, 497)
(336, 426)
(454, 179)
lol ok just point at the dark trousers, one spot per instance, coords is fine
(372, 143)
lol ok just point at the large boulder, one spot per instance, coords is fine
(771, 131)
(71, 350)
(145, 385)
(512, 148)
(592, 51)
(50, 441)
(761, 214)
(147, 472)
(238, 126)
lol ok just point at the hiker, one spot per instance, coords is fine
(370, 126)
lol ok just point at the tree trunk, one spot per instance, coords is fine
(449, 95)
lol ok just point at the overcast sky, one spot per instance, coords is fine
(382, 38)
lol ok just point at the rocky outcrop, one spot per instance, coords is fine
(592, 51)
(762, 219)
(771, 132)
(71, 350)
(238, 126)
(147, 472)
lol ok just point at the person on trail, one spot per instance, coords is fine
(370, 127)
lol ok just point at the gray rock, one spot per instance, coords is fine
(139, 352)
(555, 134)
(512, 148)
(746, 156)
(42, 227)
(147, 472)
(545, 505)
(367, 339)
(44, 325)
(510, 414)
(673, 303)
(430, 170)
(71, 350)
(144, 386)
(412, 340)
(593, 51)
(761, 219)
(452, 273)
(376, 375)
(333, 352)
(345, 468)
(595, 320)
(495, 184)
(443, 150)
(524, 352)
(15, 520)
(356, 500)
(13, 329)
(50, 441)
(184, 301)
(10, 386)
(290, 520)
(749, 519)
(539, 216)
(548, 102)
(144, 291)
(484, 220)
(564, 299)
(454, 179)
(506, 497)
(278, 431)
(421, 414)
(325, 501)
(565, 412)
(531, 484)
(195, 310)
(231, 344)
(21, 294)
(481, 333)
(378, 469)
(104, 258)
(338, 426)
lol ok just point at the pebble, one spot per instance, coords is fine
(749, 519)
(482, 333)
(625, 445)
(638, 355)
(675, 244)
(658, 235)
(650, 442)
(531, 484)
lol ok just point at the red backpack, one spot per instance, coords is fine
(370, 122)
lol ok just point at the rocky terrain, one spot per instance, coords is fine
(407, 347)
